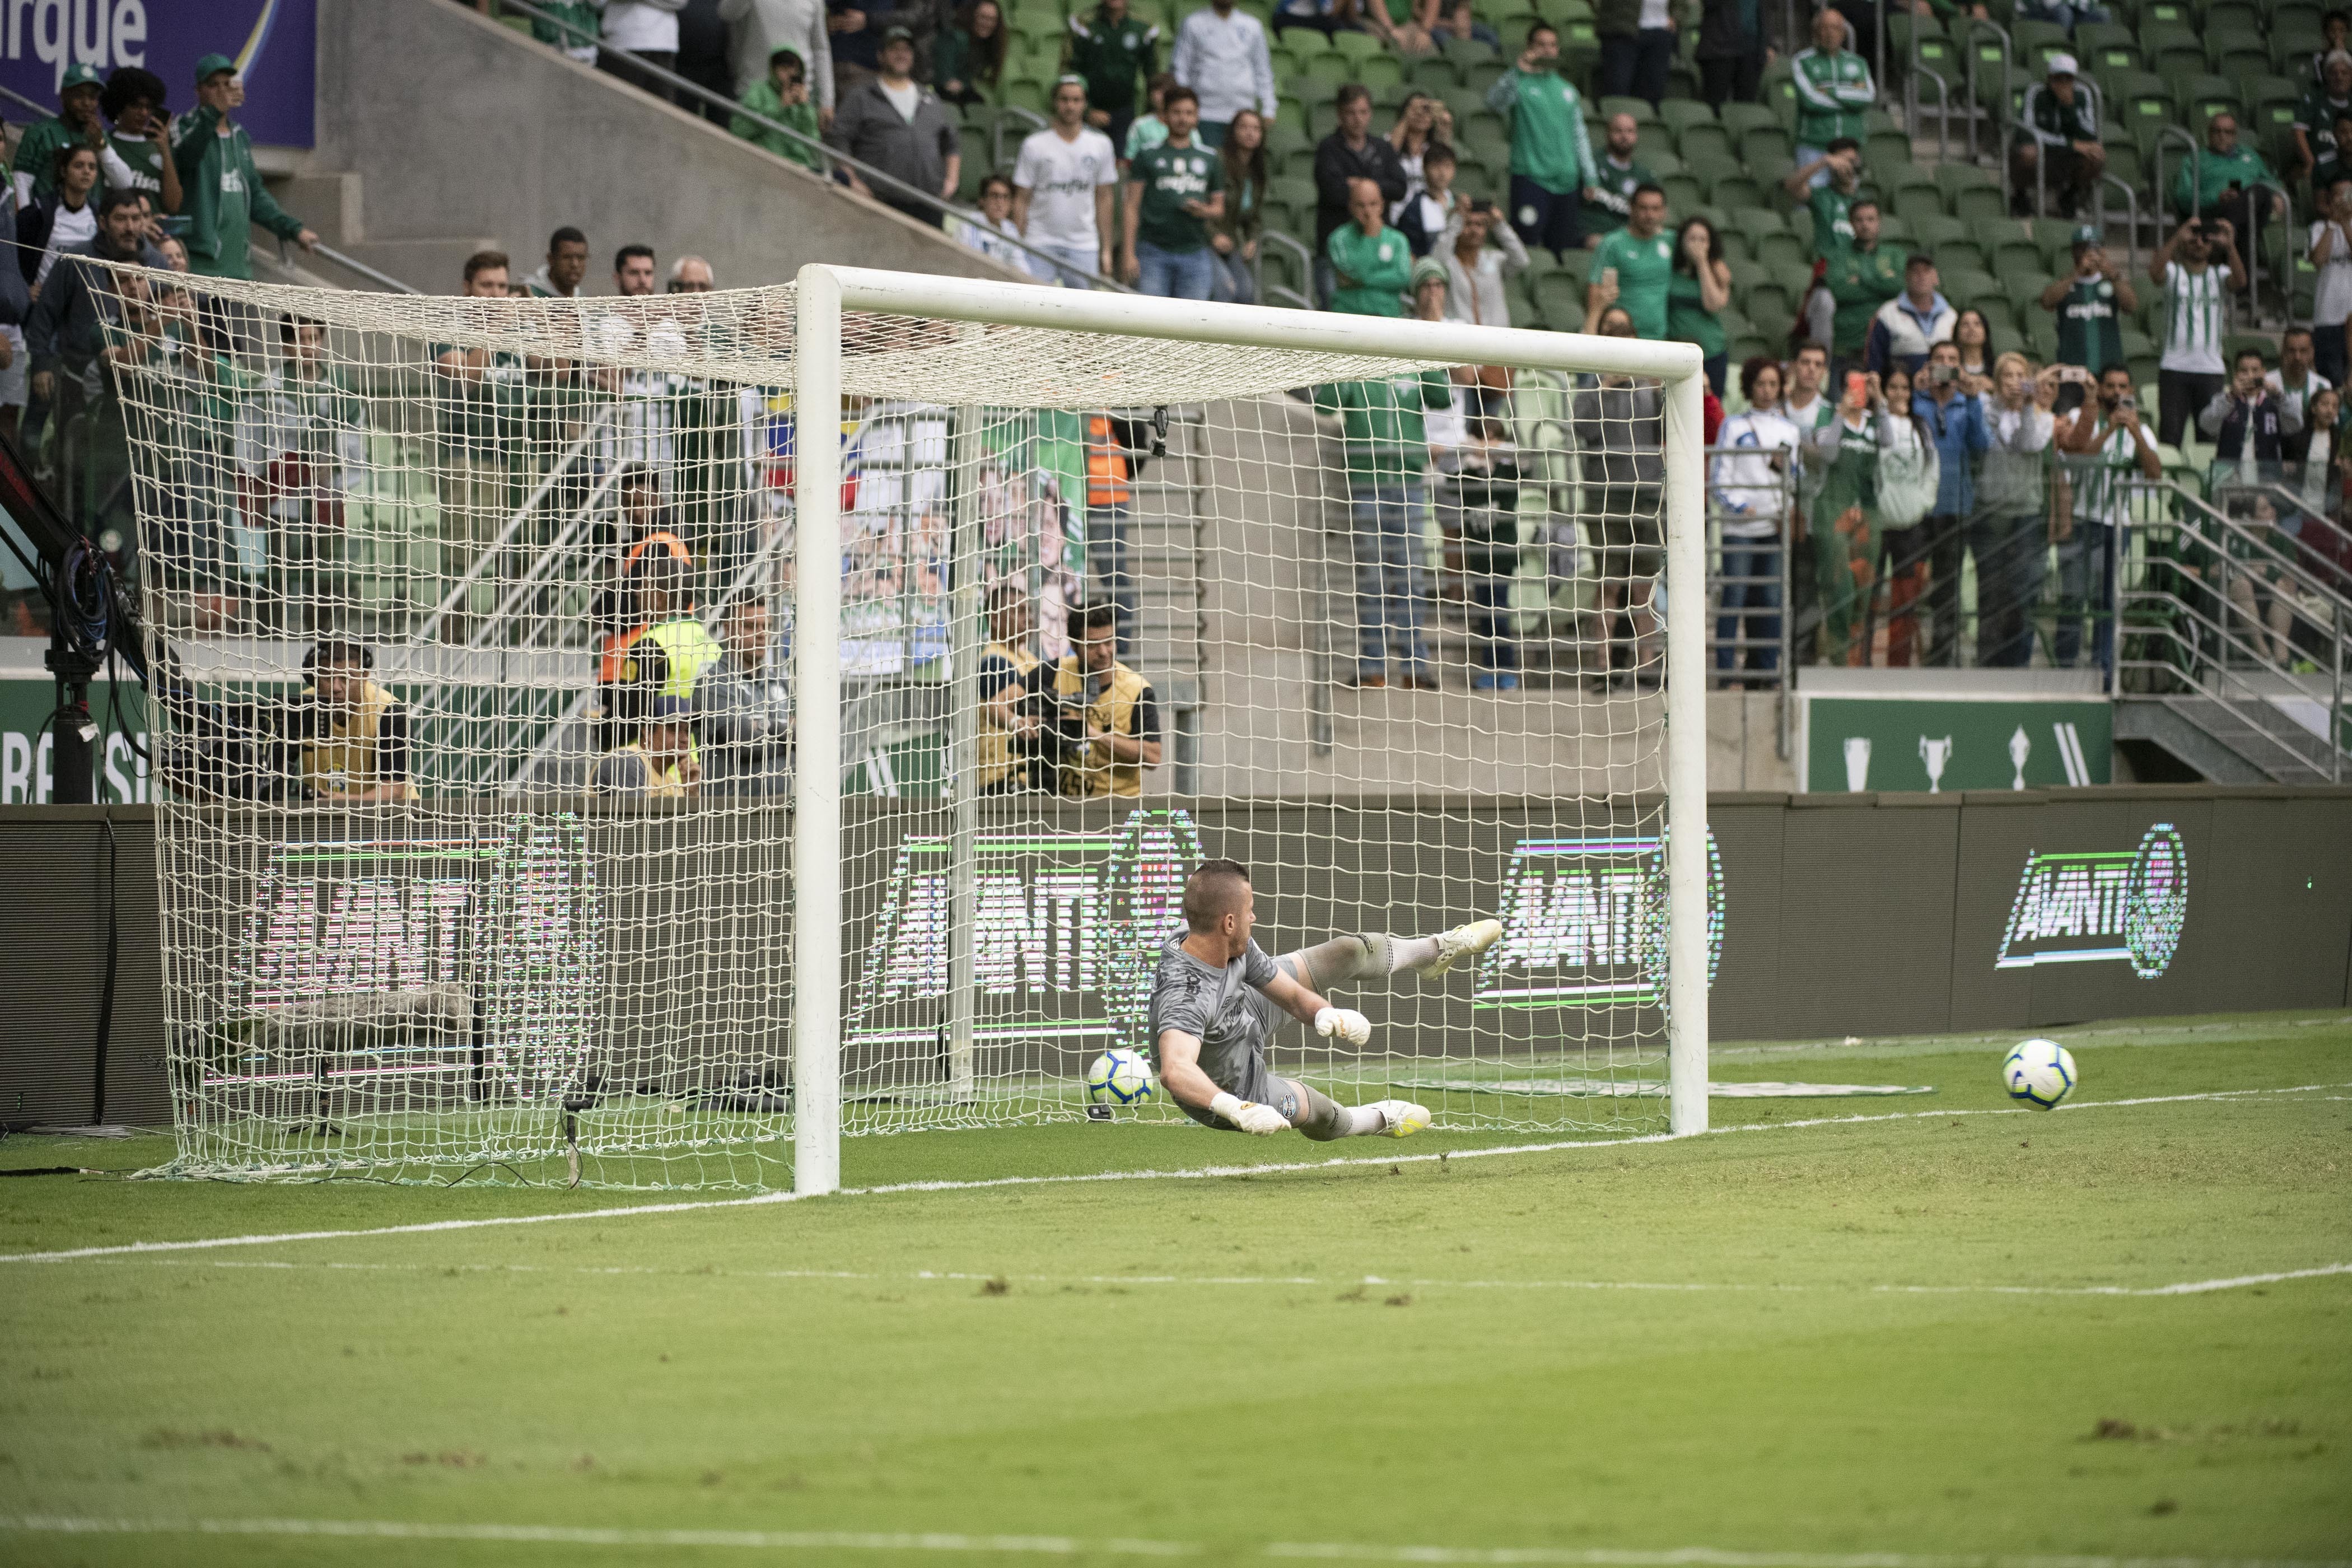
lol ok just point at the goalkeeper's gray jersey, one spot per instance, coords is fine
(1225, 1009)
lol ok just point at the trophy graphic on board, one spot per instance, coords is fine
(1934, 754)
(1857, 763)
(2020, 748)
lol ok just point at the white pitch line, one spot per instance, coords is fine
(967, 1276)
(1202, 1172)
(1071, 1546)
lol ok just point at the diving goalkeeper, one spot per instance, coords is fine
(1215, 1004)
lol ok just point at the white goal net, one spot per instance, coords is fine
(641, 741)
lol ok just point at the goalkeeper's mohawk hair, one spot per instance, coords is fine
(1212, 891)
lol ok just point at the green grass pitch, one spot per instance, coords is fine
(1918, 1328)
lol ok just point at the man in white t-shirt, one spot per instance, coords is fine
(2331, 301)
(1062, 185)
(2196, 267)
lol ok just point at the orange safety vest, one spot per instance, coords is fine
(1106, 464)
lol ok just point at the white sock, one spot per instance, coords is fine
(1363, 1121)
(1412, 952)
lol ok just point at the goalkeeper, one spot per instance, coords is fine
(1214, 1004)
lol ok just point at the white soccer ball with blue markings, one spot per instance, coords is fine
(2039, 1073)
(1120, 1077)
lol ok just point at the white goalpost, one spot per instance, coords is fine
(830, 295)
(643, 741)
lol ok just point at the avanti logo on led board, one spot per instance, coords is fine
(2125, 905)
(1584, 923)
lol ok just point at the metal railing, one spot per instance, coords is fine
(383, 281)
(1303, 258)
(830, 156)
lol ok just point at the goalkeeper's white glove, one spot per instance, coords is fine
(1346, 1023)
(1262, 1121)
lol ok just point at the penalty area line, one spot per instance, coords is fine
(1197, 1173)
(1073, 1546)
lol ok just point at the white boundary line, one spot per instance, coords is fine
(1071, 1546)
(1204, 1173)
(950, 1276)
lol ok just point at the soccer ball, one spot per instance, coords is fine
(1120, 1077)
(2039, 1073)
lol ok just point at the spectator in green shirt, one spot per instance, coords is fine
(2315, 116)
(1609, 202)
(1860, 279)
(221, 189)
(969, 57)
(1827, 185)
(1551, 157)
(1370, 263)
(783, 98)
(2226, 180)
(1115, 52)
(1385, 445)
(1833, 88)
(77, 120)
(1631, 267)
(1696, 292)
(1174, 191)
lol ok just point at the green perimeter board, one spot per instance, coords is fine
(1982, 736)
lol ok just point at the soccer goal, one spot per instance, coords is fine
(644, 740)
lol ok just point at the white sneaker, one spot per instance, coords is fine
(1464, 941)
(1403, 1117)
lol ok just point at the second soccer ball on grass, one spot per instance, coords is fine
(2039, 1073)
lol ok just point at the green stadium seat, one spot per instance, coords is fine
(1678, 113)
(1637, 107)
(1663, 163)
(1893, 230)
(2232, 17)
(1356, 46)
(1766, 146)
(1885, 151)
(1703, 139)
(1735, 191)
(1559, 299)
(1304, 43)
(1379, 71)
(1683, 194)
(1914, 195)
(1464, 53)
(1970, 193)
(1434, 74)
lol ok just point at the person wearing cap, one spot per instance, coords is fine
(660, 763)
(1861, 277)
(761, 28)
(2057, 133)
(2091, 302)
(353, 733)
(782, 96)
(2315, 116)
(1173, 192)
(1062, 184)
(1904, 329)
(1113, 52)
(75, 121)
(896, 124)
(224, 195)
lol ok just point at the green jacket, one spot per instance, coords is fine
(1374, 270)
(1380, 425)
(2208, 175)
(765, 99)
(36, 153)
(1114, 57)
(1861, 281)
(1549, 141)
(208, 163)
(1832, 91)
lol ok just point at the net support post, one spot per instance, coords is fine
(816, 707)
(965, 610)
(1686, 675)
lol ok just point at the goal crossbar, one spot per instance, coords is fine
(827, 294)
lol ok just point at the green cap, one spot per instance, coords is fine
(1427, 267)
(212, 66)
(80, 75)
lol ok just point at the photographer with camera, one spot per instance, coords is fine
(1092, 723)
